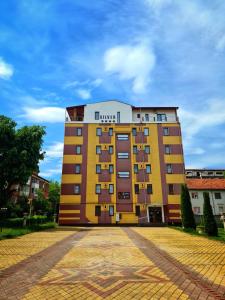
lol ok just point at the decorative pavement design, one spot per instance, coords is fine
(113, 263)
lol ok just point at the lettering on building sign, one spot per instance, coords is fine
(107, 117)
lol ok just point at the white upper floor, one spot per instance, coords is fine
(114, 111)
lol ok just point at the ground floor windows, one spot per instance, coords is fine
(137, 210)
(111, 210)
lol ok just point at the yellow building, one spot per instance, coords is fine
(121, 164)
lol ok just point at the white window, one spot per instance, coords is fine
(79, 131)
(123, 174)
(122, 137)
(147, 117)
(111, 210)
(97, 115)
(194, 195)
(98, 188)
(77, 189)
(148, 169)
(221, 209)
(78, 149)
(165, 131)
(98, 131)
(147, 149)
(146, 131)
(110, 131)
(123, 155)
(111, 189)
(167, 149)
(161, 118)
(111, 169)
(98, 150)
(169, 168)
(197, 210)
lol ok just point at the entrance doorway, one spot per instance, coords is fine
(155, 214)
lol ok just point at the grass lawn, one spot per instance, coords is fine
(220, 237)
(8, 233)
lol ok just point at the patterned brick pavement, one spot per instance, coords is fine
(111, 263)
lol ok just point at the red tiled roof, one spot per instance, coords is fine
(206, 184)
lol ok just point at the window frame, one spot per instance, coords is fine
(123, 176)
(75, 170)
(123, 155)
(110, 147)
(169, 167)
(166, 131)
(77, 185)
(98, 192)
(136, 189)
(78, 147)
(134, 131)
(110, 132)
(125, 135)
(111, 213)
(149, 149)
(111, 167)
(98, 171)
(98, 210)
(136, 149)
(137, 210)
(217, 193)
(146, 131)
(147, 117)
(167, 147)
(170, 189)
(98, 147)
(136, 169)
(97, 113)
(111, 191)
(149, 189)
(150, 168)
(98, 131)
(79, 131)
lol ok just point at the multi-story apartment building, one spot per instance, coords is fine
(122, 164)
(205, 173)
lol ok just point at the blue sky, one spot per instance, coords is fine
(60, 53)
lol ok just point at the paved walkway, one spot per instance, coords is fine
(112, 263)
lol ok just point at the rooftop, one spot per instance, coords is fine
(206, 184)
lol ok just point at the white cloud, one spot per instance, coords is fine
(6, 70)
(54, 151)
(44, 114)
(131, 63)
(51, 172)
(84, 93)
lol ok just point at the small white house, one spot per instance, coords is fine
(216, 189)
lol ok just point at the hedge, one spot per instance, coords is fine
(30, 221)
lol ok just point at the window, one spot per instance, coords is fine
(149, 188)
(76, 189)
(98, 169)
(124, 195)
(170, 188)
(147, 117)
(111, 169)
(98, 210)
(135, 149)
(110, 149)
(161, 118)
(111, 210)
(98, 150)
(136, 188)
(97, 115)
(146, 131)
(167, 149)
(79, 131)
(98, 188)
(111, 188)
(137, 210)
(148, 169)
(196, 210)
(194, 195)
(110, 131)
(147, 149)
(165, 131)
(77, 169)
(138, 116)
(118, 117)
(217, 195)
(136, 168)
(123, 155)
(78, 149)
(134, 131)
(169, 168)
(98, 131)
(124, 174)
(122, 137)
(221, 209)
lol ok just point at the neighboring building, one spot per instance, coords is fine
(121, 164)
(205, 173)
(34, 183)
(216, 189)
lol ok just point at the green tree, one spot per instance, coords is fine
(41, 204)
(209, 220)
(187, 216)
(54, 195)
(20, 152)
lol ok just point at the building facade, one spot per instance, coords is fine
(30, 189)
(121, 164)
(205, 173)
(216, 189)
